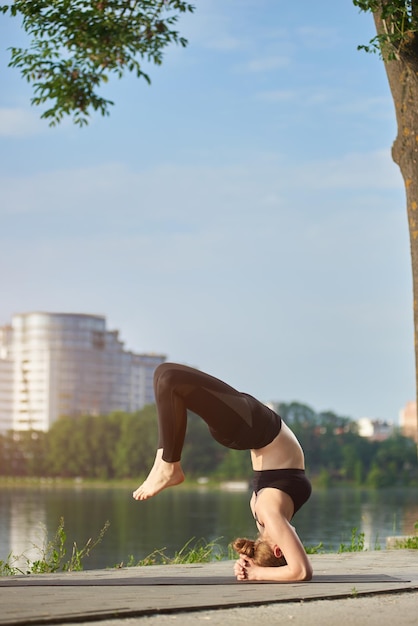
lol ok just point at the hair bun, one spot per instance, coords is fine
(244, 546)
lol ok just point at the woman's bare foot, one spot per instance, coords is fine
(161, 476)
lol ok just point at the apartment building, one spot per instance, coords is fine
(408, 420)
(54, 364)
(375, 429)
(6, 378)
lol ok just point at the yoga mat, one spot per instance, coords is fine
(157, 581)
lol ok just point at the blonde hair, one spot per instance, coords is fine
(259, 551)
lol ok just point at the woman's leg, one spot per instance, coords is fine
(179, 388)
(161, 476)
(228, 413)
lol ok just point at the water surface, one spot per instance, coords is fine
(176, 515)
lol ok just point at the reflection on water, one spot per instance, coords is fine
(26, 528)
(331, 515)
(176, 515)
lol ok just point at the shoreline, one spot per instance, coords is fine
(203, 483)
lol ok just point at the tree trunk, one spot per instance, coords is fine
(402, 74)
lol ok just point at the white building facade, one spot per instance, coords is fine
(54, 364)
(375, 429)
(6, 378)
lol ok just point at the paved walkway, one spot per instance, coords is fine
(191, 593)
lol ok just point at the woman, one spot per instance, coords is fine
(238, 421)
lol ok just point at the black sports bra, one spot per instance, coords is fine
(294, 482)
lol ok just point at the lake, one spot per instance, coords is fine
(176, 515)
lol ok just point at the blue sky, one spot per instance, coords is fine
(242, 214)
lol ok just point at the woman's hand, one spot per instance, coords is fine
(245, 569)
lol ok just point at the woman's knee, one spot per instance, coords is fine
(165, 376)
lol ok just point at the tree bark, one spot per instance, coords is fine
(402, 74)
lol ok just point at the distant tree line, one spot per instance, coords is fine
(335, 451)
(122, 445)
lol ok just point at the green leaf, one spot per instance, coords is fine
(77, 46)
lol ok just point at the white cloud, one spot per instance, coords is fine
(338, 103)
(277, 95)
(374, 171)
(19, 122)
(212, 30)
(224, 43)
(184, 197)
(316, 37)
(267, 64)
(301, 97)
(381, 106)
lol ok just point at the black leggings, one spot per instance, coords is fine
(235, 419)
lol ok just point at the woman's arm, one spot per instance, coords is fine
(282, 537)
(245, 569)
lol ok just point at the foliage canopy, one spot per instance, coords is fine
(75, 45)
(399, 26)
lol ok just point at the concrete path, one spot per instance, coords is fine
(379, 585)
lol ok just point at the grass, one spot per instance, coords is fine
(198, 552)
(356, 544)
(410, 543)
(53, 554)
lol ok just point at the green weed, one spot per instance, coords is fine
(319, 549)
(356, 545)
(198, 552)
(52, 555)
(410, 543)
